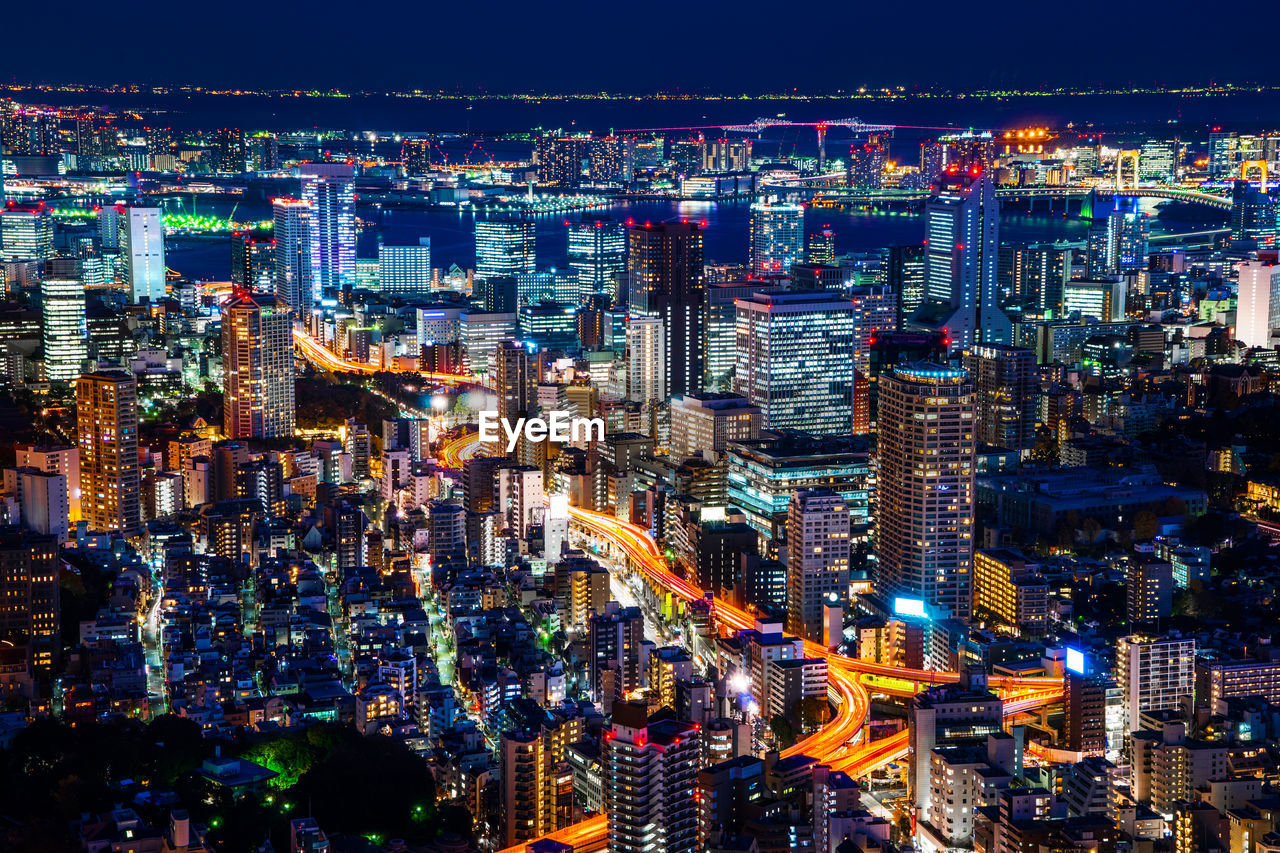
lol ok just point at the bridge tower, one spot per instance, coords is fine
(1132, 156)
(1086, 206)
(1260, 165)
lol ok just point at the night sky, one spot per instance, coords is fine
(574, 45)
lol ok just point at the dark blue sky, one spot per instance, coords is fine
(567, 45)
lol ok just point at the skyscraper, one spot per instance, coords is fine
(961, 262)
(1156, 673)
(924, 521)
(107, 432)
(776, 235)
(257, 366)
(26, 231)
(1008, 394)
(650, 780)
(875, 311)
(63, 320)
(330, 190)
(666, 281)
(142, 245)
(253, 260)
(29, 569)
(904, 273)
(405, 269)
(597, 253)
(517, 372)
(1258, 302)
(505, 248)
(646, 360)
(822, 246)
(294, 282)
(795, 360)
(1253, 213)
(1127, 234)
(818, 549)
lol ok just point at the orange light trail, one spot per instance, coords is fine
(322, 357)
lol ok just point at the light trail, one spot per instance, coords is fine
(318, 355)
(459, 450)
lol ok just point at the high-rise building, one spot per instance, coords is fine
(142, 246)
(1155, 674)
(330, 190)
(1158, 160)
(29, 592)
(776, 233)
(405, 269)
(294, 281)
(253, 260)
(505, 248)
(904, 274)
(818, 549)
(720, 350)
(559, 160)
(415, 154)
(822, 246)
(889, 349)
(26, 231)
(1258, 302)
(666, 281)
(866, 167)
(1008, 394)
(611, 160)
(616, 637)
(961, 262)
(598, 254)
(875, 311)
(63, 320)
(257, 366)
(1128, 232)
(63, 460)
(646, 360)
(1085, 723)
(963, 714)
(107, 432)
(230, 150)
(703, 424)
(650, 780)
(517, 372)
(726, 155)
(925, 494)
(795, 359)
(1035, 276)
(1253, 213)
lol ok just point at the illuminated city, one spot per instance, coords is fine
(435, 449)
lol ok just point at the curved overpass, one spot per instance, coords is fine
(320, 356)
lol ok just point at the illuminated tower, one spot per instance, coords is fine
(257, 366)
(650, 779)
(777, 236)
(666, 281)
(597, 253)
(924, 522)
(330, 190)
(107, 432)
(253, 260)
(1008, 394)
(63, 320)
(142, 245)
(505, 248)
(26, 231)
(961, 262)
(292, 263)
(818, 548)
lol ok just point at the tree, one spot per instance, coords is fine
(1145, 525)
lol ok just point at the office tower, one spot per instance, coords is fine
(818, 549)
(29, 569)
(1036, 275)
(294, 281)
(1007, 388)
(1103, 301)
(63, 320)
(1085, 702)
(704, 424)
(1258, 302)
(615, 639)
(107, 432)
(666, 282)
(904, 274)
(264, 152)
(933, 161)
(330, 190)
(253, 261)
(822, 246)
(598, 254)
(650, 779)
(415, 154)
(776, 234)
(525, 779)
(62, 460)
(257, 366)
(405, 269)
(721, 329)
(875, 311)
(517, 372)
(1158, 160)
(26, 231)
(865, 172)
(924, 518)
(961, 261)
(1253, 213)
(504, 248)
(1155, 673)
(646, 360)
(611, 160)
(726, 155)
(230, 151)
(1127, 234)
(795, 360)
(142, 247)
